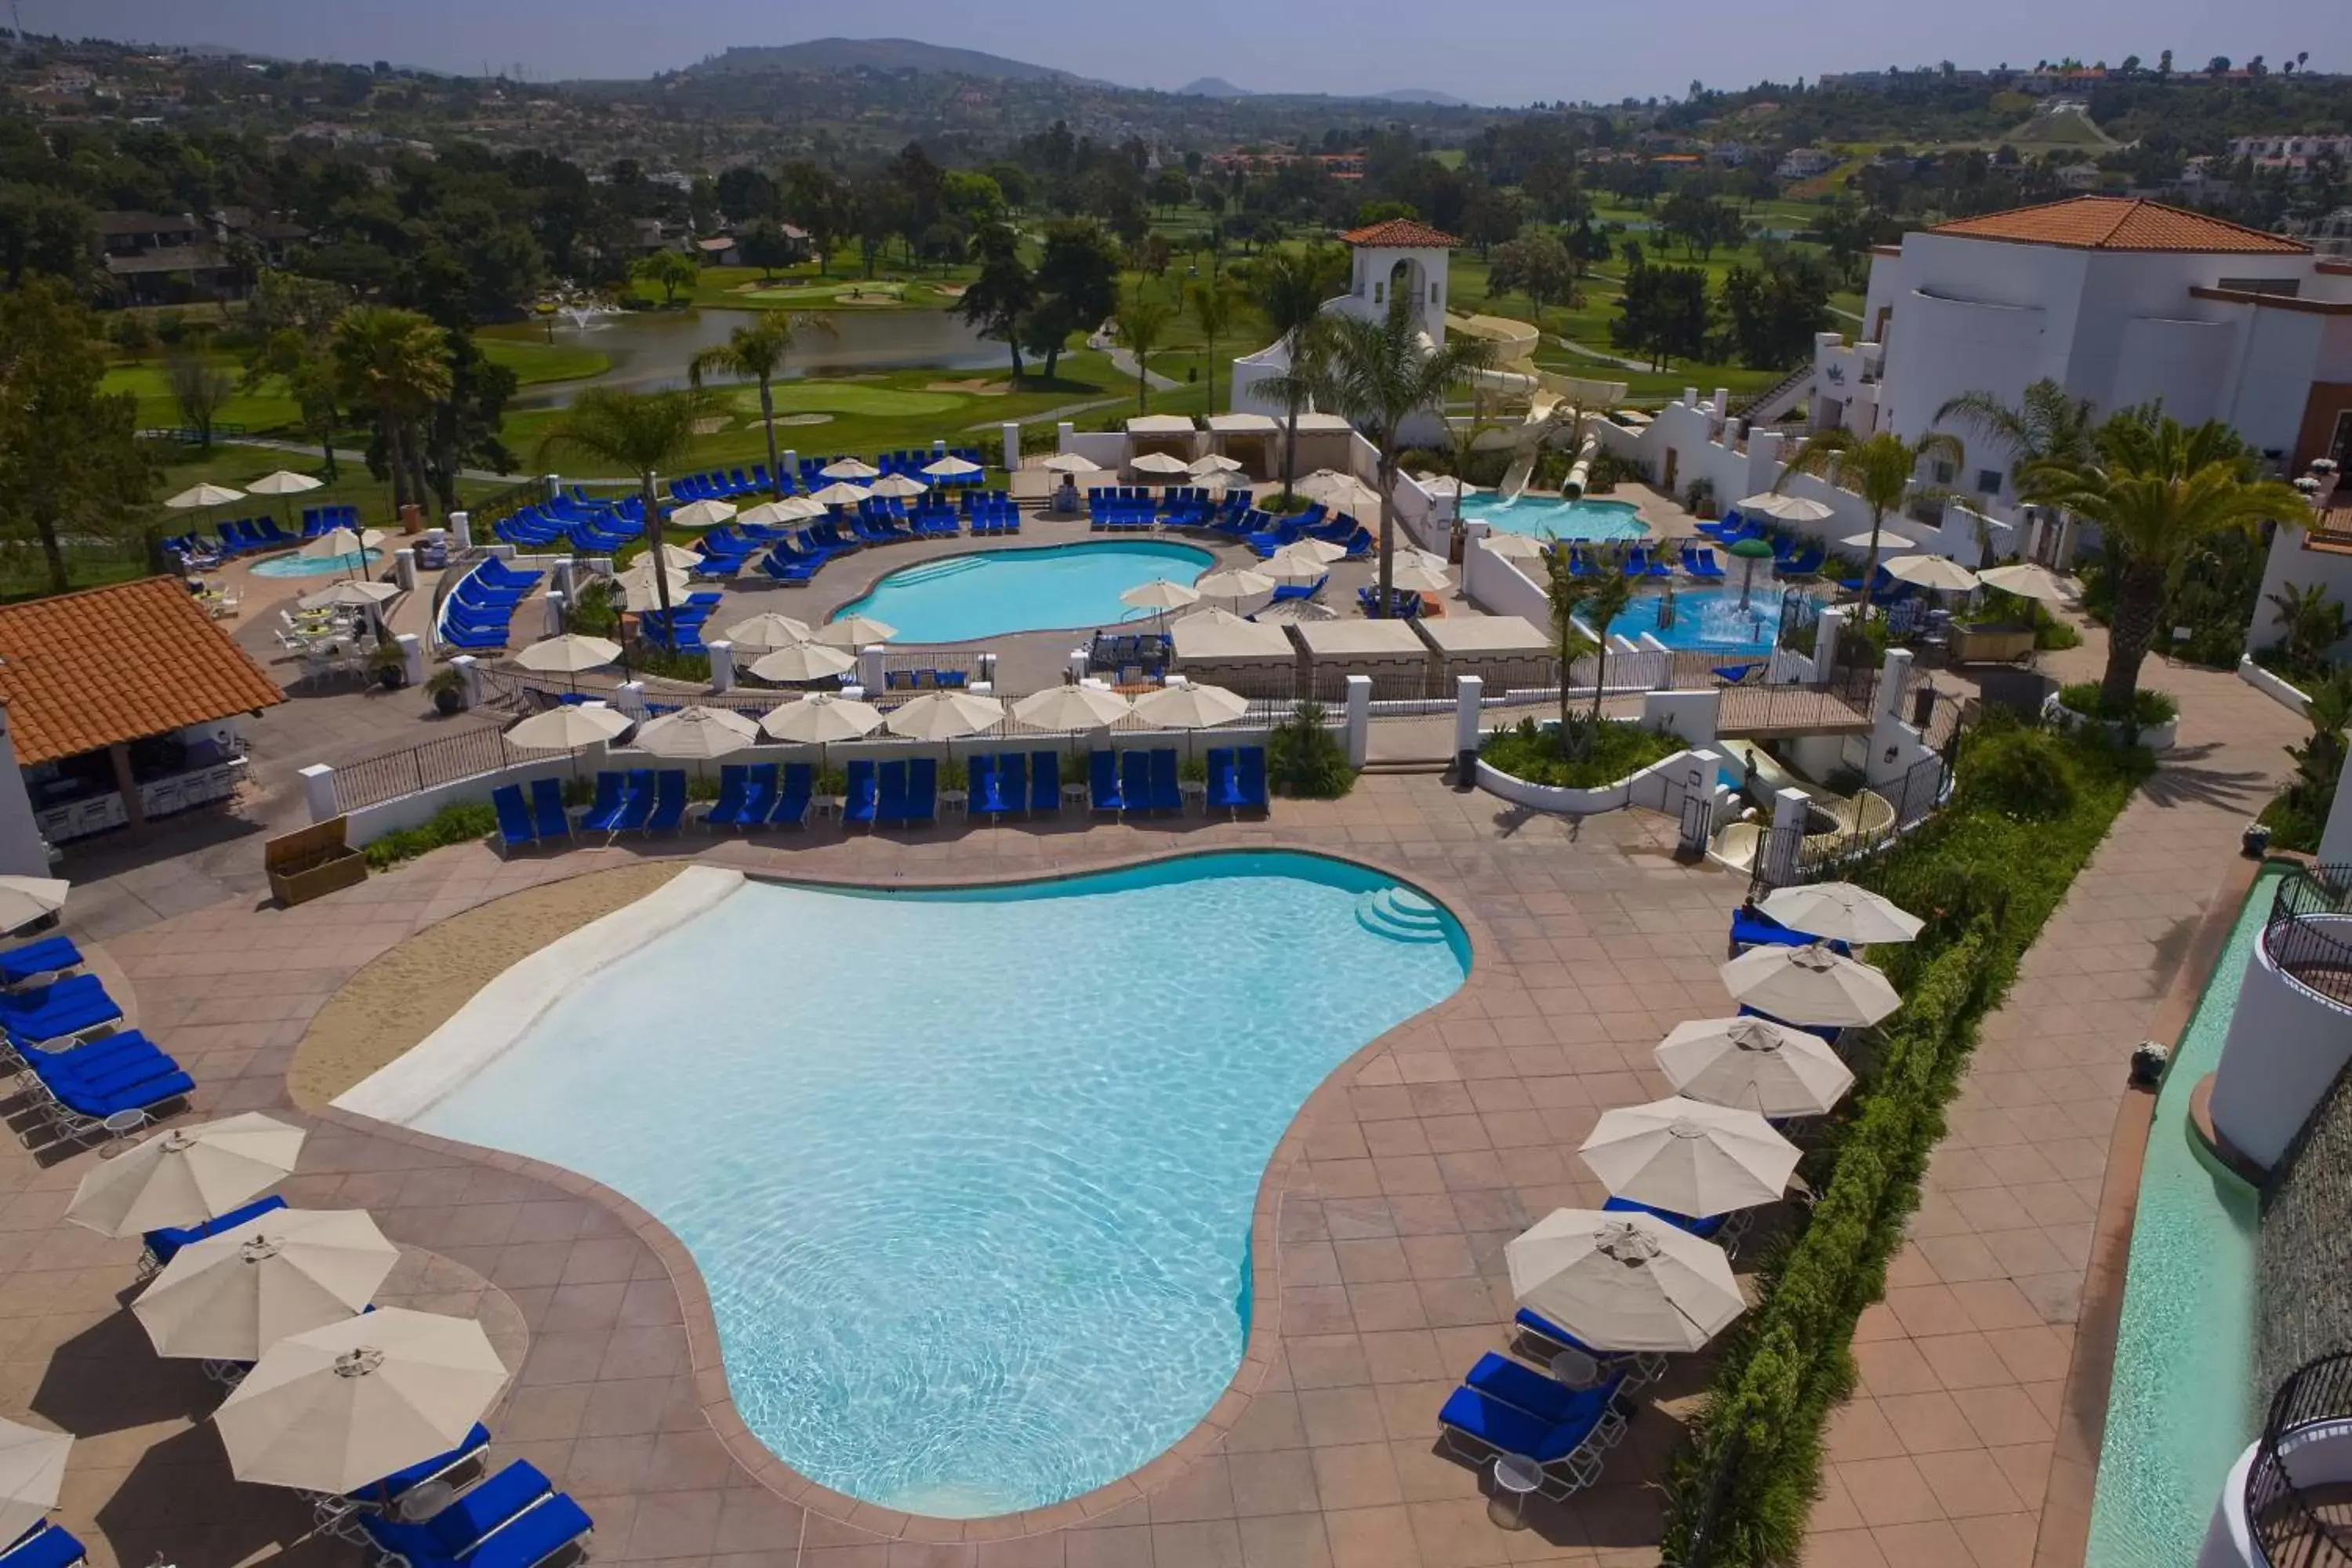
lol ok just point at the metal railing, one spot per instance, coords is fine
(2308, 934)
(443, 759)
(2297, 1525)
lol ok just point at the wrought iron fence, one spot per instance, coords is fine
(446, 759)
(2308, 934)
(2302, 1524)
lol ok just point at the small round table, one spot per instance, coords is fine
(1517, 1477)
(424, 1500)
(1575, 1369)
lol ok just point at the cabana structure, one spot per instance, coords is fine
(1253, 440)
(1170, 432)
(1505, 651)
(1217, 648)
(1325, 441)
(1399, 662)
(117, 704)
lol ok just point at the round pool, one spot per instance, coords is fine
(973, 1205)
(1541, 515)
(989, 593)
(296, 564)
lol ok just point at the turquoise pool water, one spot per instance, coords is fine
(1712, 619)
(1540, 515)
(988, 593)
(297, 565)
(2183, 1405)
(970, 1174)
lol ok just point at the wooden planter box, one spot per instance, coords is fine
(312, 862)
(1992, 644)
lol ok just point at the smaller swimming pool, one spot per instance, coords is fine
(988, 593)
(1710, 620)
(296, 564)
(1541, 515)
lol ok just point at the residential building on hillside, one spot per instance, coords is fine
(2295, 154)
(1804, 162)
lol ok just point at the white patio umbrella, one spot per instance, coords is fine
(1419, 576)
(1071, 707)
(697, 733)
(1073, 463)
(1159, 463)
(1756, 1064)
(284, 482)
(804, 661)
(1938, 572)
(897, 484)
(1839, 911)
(767, 630)
(1787, 508)
(569, 654)
(1236, 583)
(945, 716)
(677, 557)
(1292, 564)
(1810, 984)
(821, 716)
(951, 467)
(31, 1469)
(2032, 582)
(341, 1406)
(855, 631)
(569, 728)
(1161, 593)
(1343, 492)
(637, 585)
(337, 541)
(1624, 1281)
(1516, 546)
(840, 495)
(185, 1176)
(204, 495)
(26, 898)
(850, 469)
(1688, 1157)
(230, 1296)
(1191, 706)
(1215, 463)
(791, 508)
(1887, 540)
(352, 592)
(702, 514)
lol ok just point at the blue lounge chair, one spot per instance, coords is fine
(1135, 781)
(1167, 794)
(670, 802)
(400, 1483)
(1224, 785)
(1249, 765)
(45, 1545)
(49, 955)
(1706, 1229)
(164, 1245)
(603, 813)
(1045, 782)
(547, 812)
(637, 805)
(734, 787)
(890, 791)
(1545, 1398)
(922, 803)
(1283, 592)
(1476, 1424)
(79, 1115)
(462, 1526)
(793, 796)
(762, 786)
(1102, 783)
(74, 1005)
(1012, 782)
(515, 827)
(981, 787)
(863, 799)
(1639, 1368)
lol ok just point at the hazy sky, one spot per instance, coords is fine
(1521, 50)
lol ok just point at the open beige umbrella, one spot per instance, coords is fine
(569, 728)
(702, 514)
(1236, 583)
(1417, 576)
(1073, 463)
(204, 495)
(1161, 593)
(855, 631)
(678, 558)
(850, 469)
(353, 593)
(804, 661)
(822, 717)
(945, 716)
(1938, 572)
(768, 630)
(24, 899)
(1755, 1064)
(838, 494)
(1810, 984)
(1191, 706)
(1688, 1157)
(185, 1176)
(773, 513)
(951, 467)
(1070, 707)
(284, 482)
(897, 486)
(1787, 508)
(1839, 911)
(344, 1405)
(1624, 1281)
(341, 541)
(1343, 492)
(1292, 564)
(1166, 463)
(638, 587)
(1887, 540)
(230, 1296)
(1516, 546)
(2030, 581)
(569, 654)
(31, 1469)
(1215, 463)
(696, 733)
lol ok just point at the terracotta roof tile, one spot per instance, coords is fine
(1403, 234)
(2120, 223)
(80, 671)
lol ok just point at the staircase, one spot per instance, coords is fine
(1778, 399)
(1401, 915)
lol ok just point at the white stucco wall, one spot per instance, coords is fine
(2286, 1045)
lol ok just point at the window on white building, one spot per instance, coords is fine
(1989, 482)
(1380, 293)
(1944, 473)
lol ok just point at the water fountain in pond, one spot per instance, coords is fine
(582, 317)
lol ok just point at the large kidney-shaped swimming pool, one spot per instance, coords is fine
(970, 1174)
(1057, 587)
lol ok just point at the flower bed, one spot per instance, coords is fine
(2154, 716)
(1629, 765)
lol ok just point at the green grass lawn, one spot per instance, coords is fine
(264, 408)
(844, 287)
(524, 349)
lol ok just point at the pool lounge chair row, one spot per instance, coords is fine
(45, 1545)
(1140, 781)
(761, 794)
(898, 793)
(637, 801)
(1505, 1407)
(106, 1087)
(480, 611)
(514, 1519)
(1003, 783)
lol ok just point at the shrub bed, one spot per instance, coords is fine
(461, 822)
(1617, 751)
(2148, 708)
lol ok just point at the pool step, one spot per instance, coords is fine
(1401, 915)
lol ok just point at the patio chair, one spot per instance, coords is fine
(890, 794)
(1045, 782)
(864, 796)
(603, 813)
(1102, 783)
(1476, 1425)
(670, 802)
(45, 1545)
(794, 796)
(73, 1005)
(515, 827)
(1135, 781)
(922, 803)
(638, 804)
(546, 809)
(387, 1492)
(165, 1244)
(48, 956)
(1167, 794)
(734, 786)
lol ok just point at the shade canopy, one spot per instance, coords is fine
(1161, 593)
(697, 733)
(1216, 636)
(337, 542)
(569, 728)
(1191, 706)
(1938, 572)
(640, 589)
(1418, 576)
(341, 1406)
(569, 654)
(1215, 463)
(855, 631)
(1516, 546)
(945, 716)
(2030, 581)
(1072, 708)
(898, 486)
(284, 482)
(702, 514)
(31, 1469)
(1810, 984)
(951, 467)
(1159, 463)
(820, 717)
(1839, 911)
(204, 495)
(1073, 463)
(1688, 1157)
(1624, 1281)
(1754, 1064)
(1343, 491)
(1887, 540)
(26, 898)
(1234, 582)
(804, 661)
(230, 1296)
(351, 593)
(1787, 508)
(791, 508)
(767, 630)
(1293, 564)
(185, 1176)
(850, 469)
(839, 494)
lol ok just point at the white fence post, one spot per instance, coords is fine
(1078, 662)
(1012, 445)
(629, 697)
(318, 790)
(1826, 632)
(1360, 719)
(1469, 697)
(722, 665)
(554, 613)
(411, 658)
(1894, 678)
(404, 569)
(869, 669)
(461, 532)
(1783, 845)
(469, 675)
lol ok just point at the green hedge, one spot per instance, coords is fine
(464, 822)
(1985, 876)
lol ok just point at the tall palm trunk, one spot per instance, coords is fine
(654, 541)
(2140, 604)
(768, 423)
(1290, 451)
(1386, 472)
(1870, 567)
(1600, 680)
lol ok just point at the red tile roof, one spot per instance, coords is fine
(2120, 223)
(81, 672)
(1403, 234)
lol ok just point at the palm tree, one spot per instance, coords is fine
(1566, 592)
(1876, 467)
(757, 352)
(1142, 322)
(2310, 622)
(1379, 375)
(1214, 303)
(2048, 425)
(642, 432)
(2156, 490)
(1290, 286)
(1608, 594)
(396, 363)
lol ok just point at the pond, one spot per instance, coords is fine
(651, 349)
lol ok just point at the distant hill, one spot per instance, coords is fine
(1212, 87)
(1421, 95)
(877, 54)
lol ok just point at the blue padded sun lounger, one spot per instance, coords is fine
(890, 802)
(1045, 782)
(793, 798)
(638, 808)
(670, 802)
(922, 803)
(164, 1245)
(1167, 794)
(863, 799)
(73, 1005)
(1135, 781)
(1102, 781)
(467, 1521)
(45, 1545)
(547, 813)
(734, 787)
(49, 955)
(1012, 783)
(400, 1483)
(605, 812)
(515, 827)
